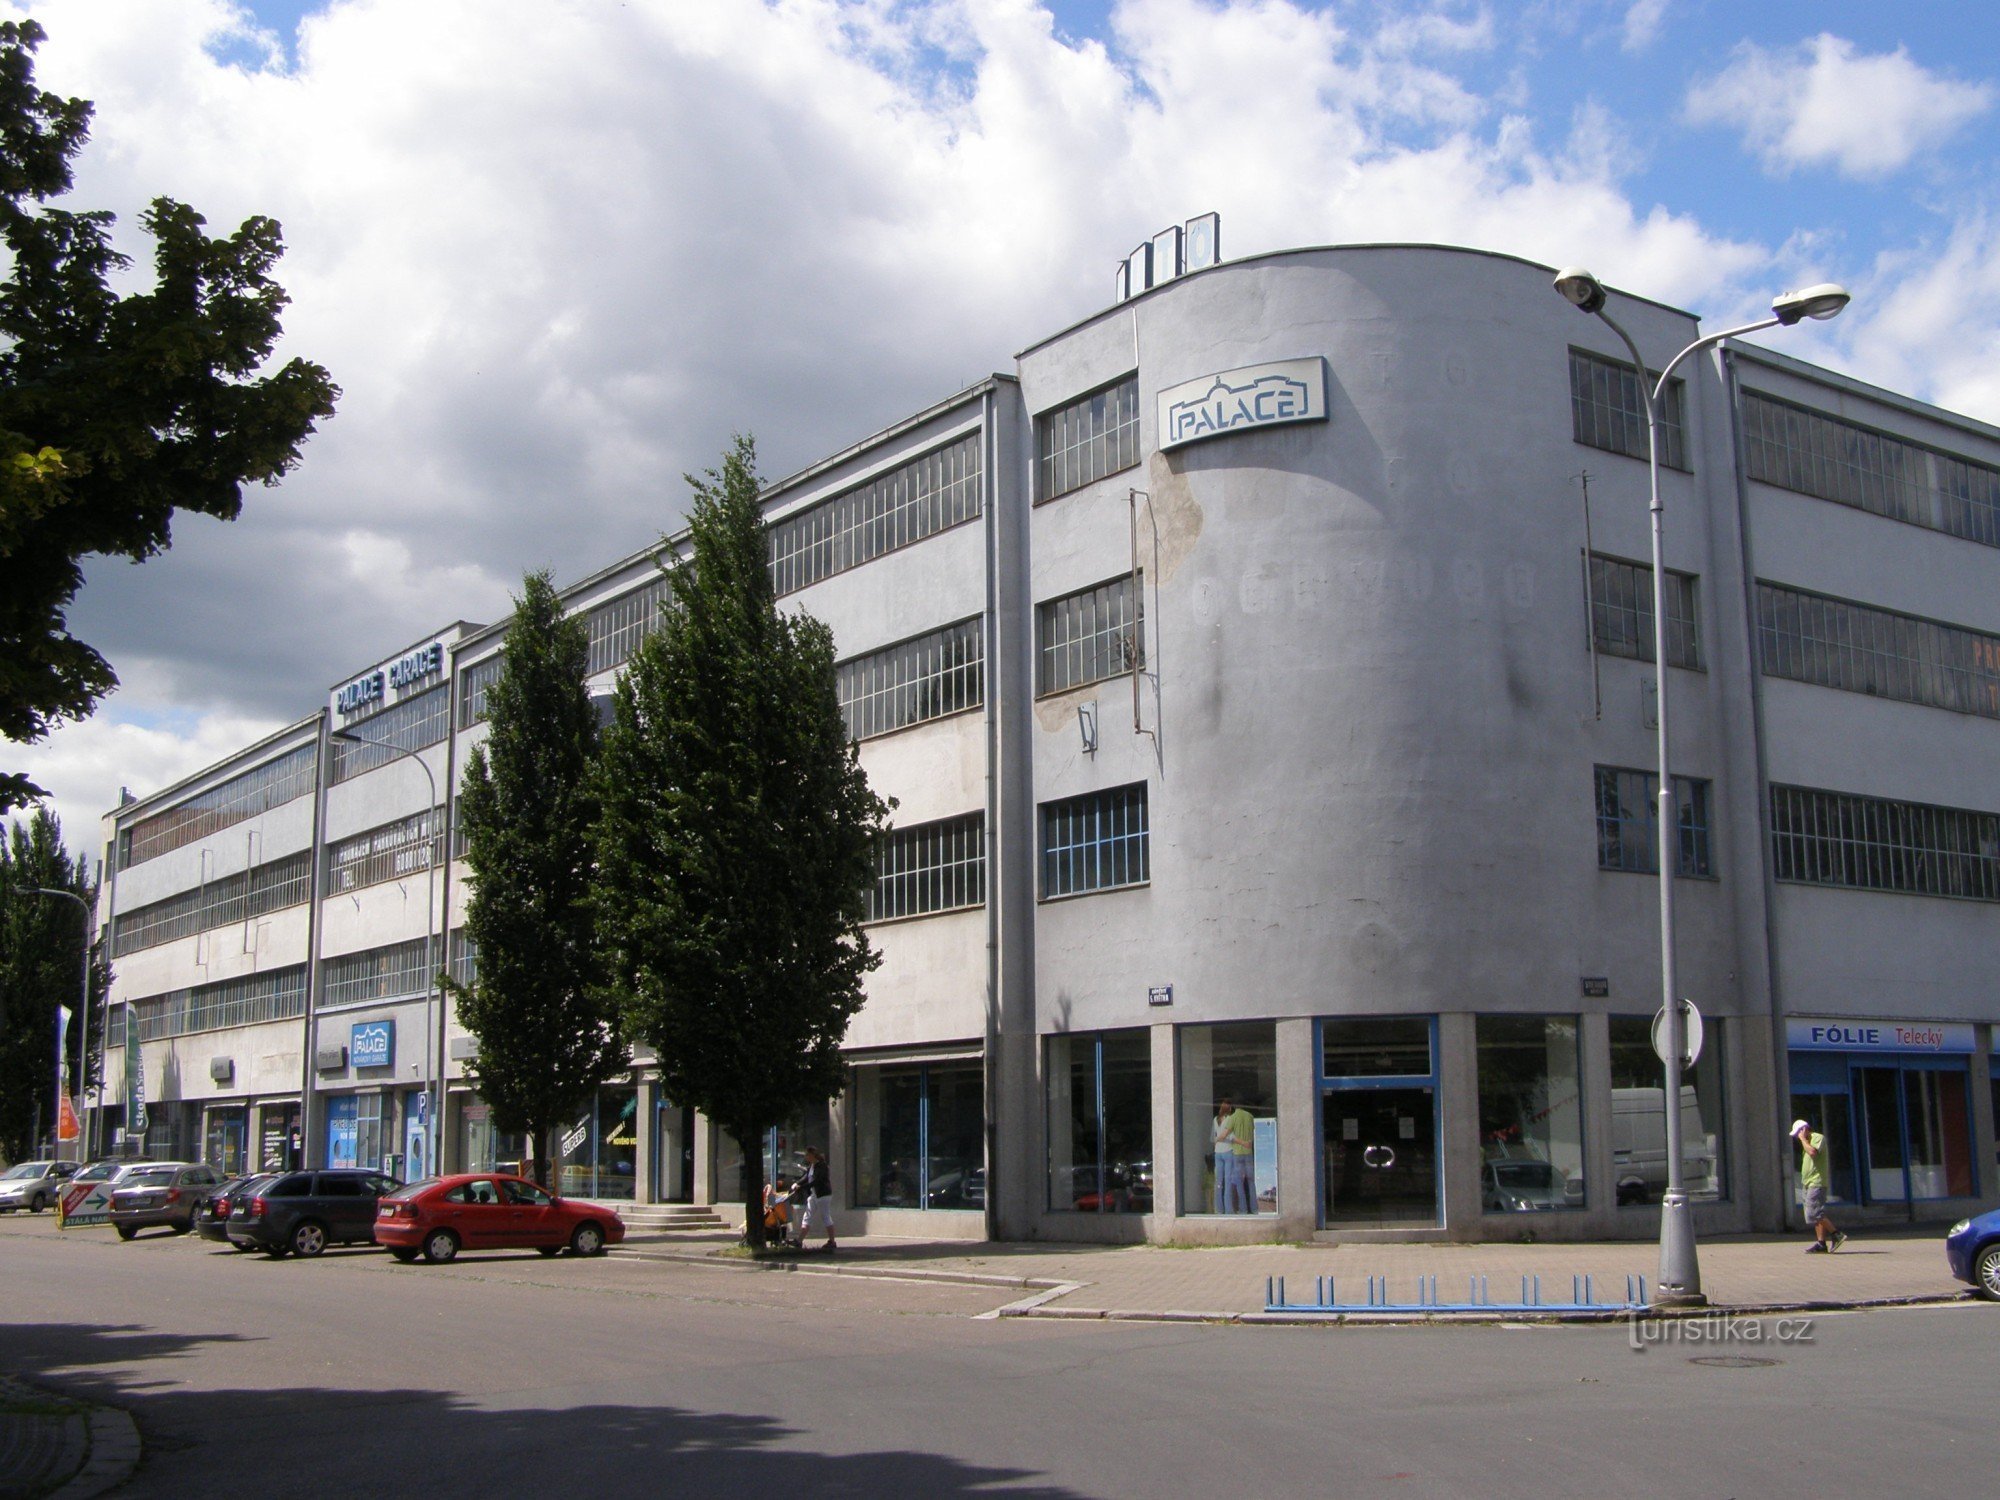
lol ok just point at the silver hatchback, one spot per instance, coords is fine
(34, 1185)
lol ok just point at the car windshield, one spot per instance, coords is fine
(26, 1169)
(1525, 1174)
(149, 1176)
(408, 1189)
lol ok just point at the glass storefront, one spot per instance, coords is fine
(1100, 1122)
(280, 1148)
(1894, 1101)
(919, 1134)
(601, 1148)
(1229, 1118)
(223, 1145)
(1378, 1121)
(673, 1153)
(355, 1129)
(1530, 1114)
(784, 1156)
(482, 1148)
(1639, 1117)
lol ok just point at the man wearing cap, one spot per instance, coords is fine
(1812, 1178)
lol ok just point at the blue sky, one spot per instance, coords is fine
(557, 251)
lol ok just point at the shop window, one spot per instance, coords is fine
(1940, 1125)
(1100, 1118)
(482, 1148)
(1639, 1122)
(601, 1147)
(1229, 1118)
(784, 1155)
(920, 1135)
(1530, 1114)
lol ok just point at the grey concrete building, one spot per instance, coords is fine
(1262, 668)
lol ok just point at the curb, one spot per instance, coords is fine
(1362, 1317)
(862, 1270)
(114, 1455)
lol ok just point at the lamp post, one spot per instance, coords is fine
(83, 1065)
(432, 1088)
(1680, 1275)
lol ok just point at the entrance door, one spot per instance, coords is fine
(1380, 1156)
(673, 1154)
(1878, 1092)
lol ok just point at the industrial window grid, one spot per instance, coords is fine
(932, 867)
(385, 853)
(386, 973)
(1799, 449)
(617, 628)
(927, 495)
(473, 684)
(256, 791)
(1874, 844)
(410, 725)
(1860, 649)
(1627, 828)
(462, 957)
(1621, 612)
(1086, 439)
(1095, 842)
(1608, 411)
(257, 892)
(1093, 634)
(279, 995)
(915, 680)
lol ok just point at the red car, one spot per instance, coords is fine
(440, 1216)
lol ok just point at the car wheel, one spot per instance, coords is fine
(440, 1246)
(548, 1249)
(403, 1253)
(41, 1201)
(125, 1231)
(1986, 1273)
(587, 1239)
(309, 1238)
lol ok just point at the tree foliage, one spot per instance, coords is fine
(116, 412)
(548, 1032)
(41, 957)
(736, 845)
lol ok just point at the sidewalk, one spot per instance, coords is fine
(54, 1447)
(1740, 1274)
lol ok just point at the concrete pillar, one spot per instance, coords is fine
(645, 1126)
(704, 1159)
(1166, 1133)
(1600, 1184)
(1459, 1153)
(1298, 1130)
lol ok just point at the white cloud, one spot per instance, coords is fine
(1643, 21)
(1823, 104)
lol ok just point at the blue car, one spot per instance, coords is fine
(1973, 1251)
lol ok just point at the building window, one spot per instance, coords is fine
(386, 853)
(221, 902)
(912, 681)
(473, 684)
(462, 957)
(1091, 437)
(616, 629)
(925, 496)
(394, 972)
(1639, 1121)
(1100, 1090)
(1096, 842)
(931, 867)
(410, 725)
(1530, 1114)
(1627, 830)
(1608, 411)
(1873, 844)
(279, 995)
(268, 786)
(1831, 643)
(1229, 1118)
(920, 1135)
(1621, 612)
(1090, 635)
(1799, 449)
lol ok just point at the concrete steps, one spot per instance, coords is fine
(655, 1217)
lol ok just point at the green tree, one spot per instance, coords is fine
(116, 411)
(41, 952)
(547, 1028)
(736, 846)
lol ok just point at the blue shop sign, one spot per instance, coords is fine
(372, 1044)
(1878, 1036)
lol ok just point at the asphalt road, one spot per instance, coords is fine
(504, 1376)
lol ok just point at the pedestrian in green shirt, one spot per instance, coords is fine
(1812, 1180)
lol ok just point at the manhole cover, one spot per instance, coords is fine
(1732, 1361)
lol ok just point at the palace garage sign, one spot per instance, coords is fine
(1292, 390)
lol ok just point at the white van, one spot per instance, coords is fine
(1639, 1146)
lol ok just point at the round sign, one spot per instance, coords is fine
(1690, 1038)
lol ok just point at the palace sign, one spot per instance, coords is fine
(1292, 390)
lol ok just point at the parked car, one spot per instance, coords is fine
(1972, 1250)
(160, 1194)
(33, 1185)
(301, 1213)
(1522, 1185)
(211, 1220)
(441, 1216)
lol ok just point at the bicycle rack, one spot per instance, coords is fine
(1478, 1297)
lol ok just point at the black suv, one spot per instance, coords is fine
(301, 1213)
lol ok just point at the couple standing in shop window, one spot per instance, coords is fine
(1235, 1181)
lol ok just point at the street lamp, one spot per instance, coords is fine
(1680, 1275)
(83, 1066)
(432, 1074)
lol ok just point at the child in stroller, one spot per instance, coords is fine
(784, 1202)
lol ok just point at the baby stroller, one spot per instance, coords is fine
(784, 1211)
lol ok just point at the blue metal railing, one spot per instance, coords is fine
(1478, 1297)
